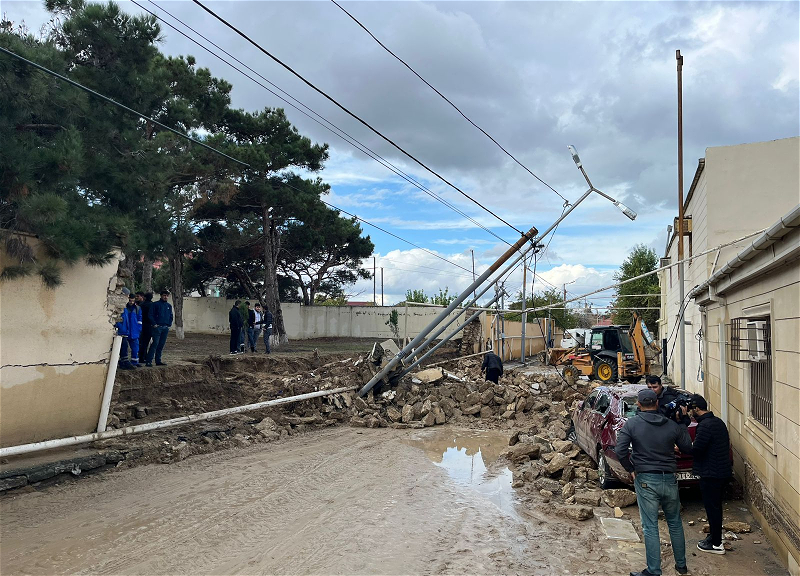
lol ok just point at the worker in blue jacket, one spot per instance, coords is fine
(160, 317)
(129, 328)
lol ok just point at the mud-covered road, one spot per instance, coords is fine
(335, 501)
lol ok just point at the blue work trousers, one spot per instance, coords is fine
(654, 491)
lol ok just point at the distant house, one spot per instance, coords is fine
(743, 320)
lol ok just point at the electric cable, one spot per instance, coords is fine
(319, 118)
(351, 114)
(446, 99)
(115, 103)
(382, 230)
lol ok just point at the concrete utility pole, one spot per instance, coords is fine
(382, 304)
(524, 308)
(681, 280)
(374, 280)
(473, 271)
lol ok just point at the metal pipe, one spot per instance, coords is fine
(681, 279)
(440, 344)
(105, 404)
(72, 440)
(529, 235)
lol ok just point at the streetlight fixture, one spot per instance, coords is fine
(620, 206)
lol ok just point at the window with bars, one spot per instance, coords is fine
(751, 342)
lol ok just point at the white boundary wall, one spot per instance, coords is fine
(210, 316)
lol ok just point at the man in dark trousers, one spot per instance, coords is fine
(646, 448)
(236, 323)
(145, 301)
(266, 322)
(712, 463)
(160, 322)
(493, 366)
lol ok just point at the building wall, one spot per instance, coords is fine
(54, 352)
(210, 316)
(767, 463)
(742, 189)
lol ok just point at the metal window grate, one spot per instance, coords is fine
(761, 393)
(751, 339)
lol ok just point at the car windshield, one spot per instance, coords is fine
(629, 406)
(625, 341)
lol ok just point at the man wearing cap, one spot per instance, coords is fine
(711, 456)
(646, 448)
(160, 321)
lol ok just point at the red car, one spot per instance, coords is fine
(595, 423)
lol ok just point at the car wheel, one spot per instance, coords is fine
(572, 436)
(605, 477)
(605, 370)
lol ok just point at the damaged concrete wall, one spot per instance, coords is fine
(534, 339)
(210, 316)
(54, 352)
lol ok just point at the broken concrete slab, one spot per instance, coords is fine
(430, 376)
(618, 529)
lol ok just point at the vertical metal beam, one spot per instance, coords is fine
(681, 280)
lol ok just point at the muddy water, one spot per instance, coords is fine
(470, 458)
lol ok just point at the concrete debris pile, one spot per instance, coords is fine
(435, 396)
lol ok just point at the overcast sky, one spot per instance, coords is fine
(536, 76)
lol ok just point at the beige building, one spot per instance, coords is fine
(736, 190)
(749, 313)
(55, 347)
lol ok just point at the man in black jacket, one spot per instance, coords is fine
(667, 398)
(236, 323)
(712, 463)
(493, 366)
(646, 448)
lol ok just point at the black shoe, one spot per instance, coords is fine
(684, 570)
(125, 366)
(149, 364)
(161, 363)
(642, 573)
(707, 546)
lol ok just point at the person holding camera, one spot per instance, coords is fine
(646, 448)
(712, 463)
(669, 400)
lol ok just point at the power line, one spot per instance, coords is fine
(446, 99)
(351, 114)
(327, 124)
(115, 103)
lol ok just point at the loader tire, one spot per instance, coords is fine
(571, 374)
(605, 370)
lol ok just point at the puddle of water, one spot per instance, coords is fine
(468, 457)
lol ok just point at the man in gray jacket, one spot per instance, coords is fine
(652, 463)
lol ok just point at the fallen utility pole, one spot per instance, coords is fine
(517, 247)
(529, 235)
(72, 440)
(443, 341)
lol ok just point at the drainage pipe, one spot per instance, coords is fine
(109, 389)
(72, 440)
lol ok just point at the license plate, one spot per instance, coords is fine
(686, 476)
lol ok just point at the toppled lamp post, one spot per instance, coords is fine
(528, 237)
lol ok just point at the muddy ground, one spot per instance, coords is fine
(311, 490)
